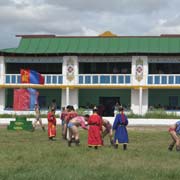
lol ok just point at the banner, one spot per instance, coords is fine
(25, 99)
(33, 98)
(21, 99)
(31, 76)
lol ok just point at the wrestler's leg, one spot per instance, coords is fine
(175, 140)
(34, 124)
(70, 136)
(111, 136)
(105, 132)
(76, 135)
(40, 122)
(65, 130)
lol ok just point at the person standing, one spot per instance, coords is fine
(53, 105)
(95, 130)
(51, 124)
(174, 131)
(119, 125)
(116, 108)
(38, 118)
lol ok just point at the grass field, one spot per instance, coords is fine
(29, 155)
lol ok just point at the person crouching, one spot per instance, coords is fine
(78, 121)
(174, 131)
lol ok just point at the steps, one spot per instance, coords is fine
(20, 123)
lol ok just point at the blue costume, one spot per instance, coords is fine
(178, 127)
(119, 125)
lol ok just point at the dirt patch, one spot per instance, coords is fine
(2, 126)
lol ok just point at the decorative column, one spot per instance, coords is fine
(67, 96)
(70, 78)
(139, 95)
(2, 81)
(140, 100)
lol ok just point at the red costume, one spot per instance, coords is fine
(51, 125)
(94, 131)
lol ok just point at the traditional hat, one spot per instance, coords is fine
(52, 109)
(121, 108)
(95, 108)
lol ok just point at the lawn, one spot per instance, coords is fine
(29, 155)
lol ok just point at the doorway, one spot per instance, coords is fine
(108, 104)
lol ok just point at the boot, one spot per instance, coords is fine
(43, 128)
(124, 147)
(52, 139)
(73, 139)
(77, 142)
(95, 147)
(33, 129)
(111, 142)
(177, 148)
(115, 146)
(69, 143)
(170, 148)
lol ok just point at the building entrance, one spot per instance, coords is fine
(107, 104)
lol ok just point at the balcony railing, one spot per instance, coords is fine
(48, 78)
(163, 79)
(82, 79)
(104, 79)
(92, 79)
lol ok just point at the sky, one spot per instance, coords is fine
(87, 18)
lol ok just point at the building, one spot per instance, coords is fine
(137, 71)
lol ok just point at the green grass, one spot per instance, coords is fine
(155, 113)
(29, 155)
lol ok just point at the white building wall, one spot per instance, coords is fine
(135, 101)
(145, 101)
(73, 98)
(2, 81)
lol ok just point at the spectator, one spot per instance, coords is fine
(38, 118)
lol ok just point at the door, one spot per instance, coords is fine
(108, 103)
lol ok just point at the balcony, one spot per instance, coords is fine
(163, 79)
(82, 79)
(101, 79)
(104, 79)
(48, 79)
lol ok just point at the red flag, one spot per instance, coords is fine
(21, 99)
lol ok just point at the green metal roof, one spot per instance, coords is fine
(96, 45)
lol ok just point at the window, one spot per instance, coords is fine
(173, 102)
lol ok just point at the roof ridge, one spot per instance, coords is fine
(99, 37)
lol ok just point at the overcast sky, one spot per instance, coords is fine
(87, 17)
